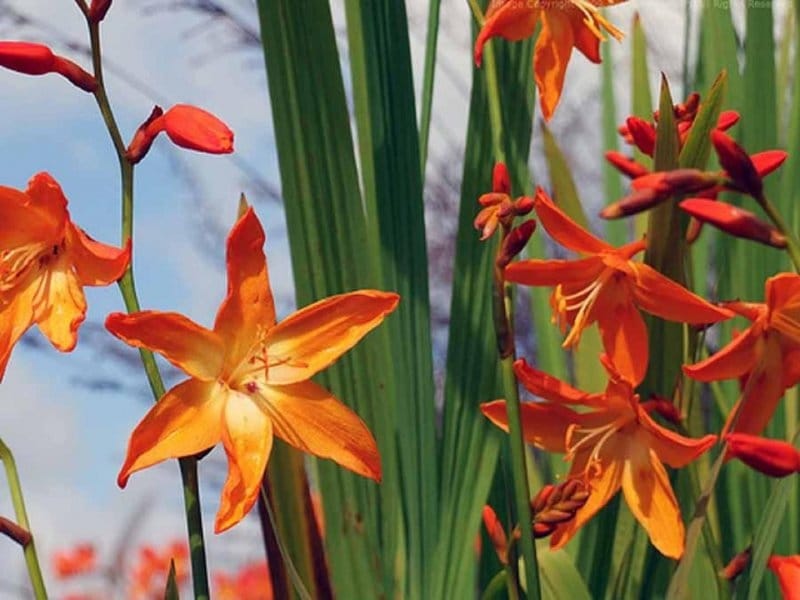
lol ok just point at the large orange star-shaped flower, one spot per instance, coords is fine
(565, 23)
(766, 354)
(45, 260)
(250, 378)
(613, 445)
(607, 286)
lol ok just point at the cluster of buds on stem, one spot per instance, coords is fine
(499, 207)
(556, 504)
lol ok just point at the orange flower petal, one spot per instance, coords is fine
(764, 390)
(650, 497)
(563, 229)
(308, 417)
(783, 299)
(315, 336)
(670, 447)
(625, 340)
(24, 222)
(190, 347)
(555, 272)
(605, 480)
(585, 39)
(16, 317)
(787, 570)
(248, 309)
(664, 298)
(513, 21)
(59, 305)
(247, 437)
(732, 361)
(95, 263)
(187, 420)
(544, 425)
(550, 58)
(548, 387)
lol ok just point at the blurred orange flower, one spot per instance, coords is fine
(78, 560)
(607, 286)
(565, 23)
(766, 354)
(613, 445)
(251, 378)
(45, 260)
(252, 582)
(149, 574)
(787, 570)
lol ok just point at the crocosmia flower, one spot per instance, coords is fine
(45, 260)
(76, 561)
(250, 378)
(766, 355)
(608, 287)
(38, 59)
(614, 444)
(565, 24)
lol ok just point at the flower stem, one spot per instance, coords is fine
(127, 286)
(503, 319)
(29, 550)
(792, 243)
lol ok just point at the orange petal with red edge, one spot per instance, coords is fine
(247, 437)
(190, 347)
(59, 307)
(563, 229)
(248, 308)
(550, 58)
(544, 425)
(310, 418)
(625, 340)
(512, 21)
(650, 498)
(96, 263)
(185, 421)
(548, 387)
(732, 361)
(604, 479)
(670, 447)
(315, 336)
(664, 298)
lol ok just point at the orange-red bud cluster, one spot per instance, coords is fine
(38, 59)
(498, 205)
(555, 504)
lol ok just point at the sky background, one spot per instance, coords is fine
(67, 417)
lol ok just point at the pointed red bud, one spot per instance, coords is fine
(496, 533)
(501, 182)
(632, 204)
(626, 166)
(143, 138)
(734, 220)
(727, 119)
(643, 134)
(737, 164)
(677, 182)
(514, 242)
(736, 565)
(769, 160)
(775, 458)
(787, 570)
(664, 408)
(98, 10)
(38, 59)
(523, 205)
(196, 129)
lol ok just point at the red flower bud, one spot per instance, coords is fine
(736, 221)
(736, 565)
(737, 164)
(496, 533)
(515, 242)
(144, 137)
(775, 458)
(665, 408)
(632, 204)
(501, 182)
(38, 59)
(769, 160)
(196, 129)
(677, 182)
(727, 119)
(98, 10)
(787, 570)
(626, 166)
(643, 134)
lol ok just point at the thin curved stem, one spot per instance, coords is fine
(18, 502)
(127, 286)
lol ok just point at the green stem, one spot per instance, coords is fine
(427, 82)
(792, 243)
(18, 502)
(127, 286)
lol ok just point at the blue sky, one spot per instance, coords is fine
(70, 439)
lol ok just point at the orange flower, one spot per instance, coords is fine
(787, 570)
(565, 23)
(38, 59)
(45, 260)
(76, 561)
(149, 574)
(613, 445)
(252, 582)
(250, 378)
(607, 286)
(767, 353)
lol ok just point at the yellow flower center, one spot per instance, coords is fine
(579, 437)
(18, 262)
(580, 301)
